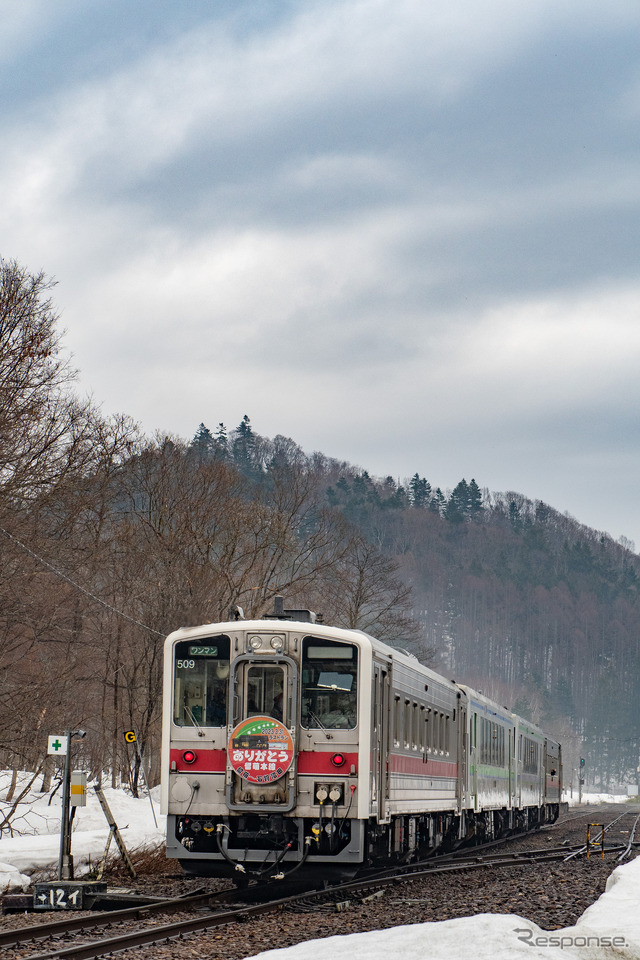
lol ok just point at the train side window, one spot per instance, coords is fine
(407, 724)
(530, 756)
(396, 721)
(201, 682)
(415, 731)
(447, 734)
(422, 729)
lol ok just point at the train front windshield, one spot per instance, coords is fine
(201, 682)
(329, 684)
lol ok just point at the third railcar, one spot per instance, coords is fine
(288, 744)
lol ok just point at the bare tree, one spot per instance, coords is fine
(40, 420)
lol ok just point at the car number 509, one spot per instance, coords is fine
(185, 664)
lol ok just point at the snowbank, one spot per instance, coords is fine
(32, 842)
(609, 928)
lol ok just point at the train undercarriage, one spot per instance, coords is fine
(261, 845)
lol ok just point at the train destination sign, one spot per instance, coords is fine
(260, 750)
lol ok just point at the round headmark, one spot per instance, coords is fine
(260, 750)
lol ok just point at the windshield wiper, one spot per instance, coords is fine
(201, 732)
(312, 716)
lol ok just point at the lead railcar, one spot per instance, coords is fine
(291, 744)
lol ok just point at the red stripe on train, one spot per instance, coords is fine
(312, 762)
(309, 762)
(399, 763)
(207, 761)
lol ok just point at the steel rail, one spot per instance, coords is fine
(156, 934)
(460, 860)
(627, 849)
(170, 931)
(82, 920)
(605, 830)
(79, 921)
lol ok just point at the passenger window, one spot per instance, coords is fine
(396, 722)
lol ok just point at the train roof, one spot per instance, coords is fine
(348, 634)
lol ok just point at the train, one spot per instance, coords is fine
(291, 745)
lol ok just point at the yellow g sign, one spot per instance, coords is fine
(129, 736)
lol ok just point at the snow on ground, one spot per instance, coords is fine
(609, 929)
(32, 840)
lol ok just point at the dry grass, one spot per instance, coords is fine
(147, 861)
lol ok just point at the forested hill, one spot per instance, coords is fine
(522, 601)
(110, 540)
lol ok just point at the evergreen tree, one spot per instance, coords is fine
(457, 508)
(244, 446)
(203, 443)
(221, 443)
(475, 500)
(420, 491)
(438, 502)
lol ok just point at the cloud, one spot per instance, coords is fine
(402, 233)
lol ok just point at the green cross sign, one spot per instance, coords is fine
(58, 746)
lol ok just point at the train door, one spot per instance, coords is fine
(462, 756)
(380, 744)
(473, 759)
(518, 762)
(260, 767)
(512, 768)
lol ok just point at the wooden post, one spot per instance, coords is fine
(116, 833)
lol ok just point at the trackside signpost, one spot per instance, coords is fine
(65, 894)
(131, 738)
(60, 746)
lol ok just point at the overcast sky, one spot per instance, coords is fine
(401, 232)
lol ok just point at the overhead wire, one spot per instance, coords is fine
(77, 586)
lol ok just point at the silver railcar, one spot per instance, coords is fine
(290, 744)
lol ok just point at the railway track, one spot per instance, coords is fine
(223, 908)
